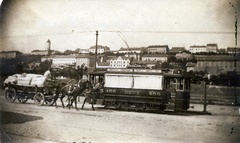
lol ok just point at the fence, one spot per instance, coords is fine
(225, 95)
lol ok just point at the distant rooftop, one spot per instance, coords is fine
(155, 55)
(157, 46)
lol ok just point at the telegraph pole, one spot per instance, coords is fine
(235, 49)
(95, 66)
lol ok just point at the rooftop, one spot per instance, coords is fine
(216, 58)
(157, 46)
(155, 55)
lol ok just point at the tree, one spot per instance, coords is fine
(172, 59)
(165, 65)
(158, 65)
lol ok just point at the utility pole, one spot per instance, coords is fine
(205, 78)
(235, 49)
(95, 65)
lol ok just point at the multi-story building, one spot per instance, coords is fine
(218, 63)
(135, 56)
(155, 57)
(119, 62)
(176, 50)
(100, 49)
(197, 49)
(61, 59)
(10, 54)
(232, 50)
(87, 60)
(212, 48)
(161, 49)
(74, 60)
(39, 52)
(132, 50)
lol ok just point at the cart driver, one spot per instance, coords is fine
(47, 74)
(49, 81)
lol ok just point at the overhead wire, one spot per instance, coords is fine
(115, 31)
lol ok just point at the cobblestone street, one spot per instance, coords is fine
(31, 123)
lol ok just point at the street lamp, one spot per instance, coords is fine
(235, 49)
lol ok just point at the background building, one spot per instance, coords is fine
(10, 54)
(215, 64)
(161, 49)
(212, 48)
(87, 60)
(197, 49)
(176, 50)
(132, 50)
(231, 50)
(100, 49)
(155, 57)
(120, 62)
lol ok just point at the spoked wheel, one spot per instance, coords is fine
(10, 94)
(38, 99)
(49, 100)
(22, 99)
(119, 105)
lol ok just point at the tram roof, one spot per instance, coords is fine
(143, 71)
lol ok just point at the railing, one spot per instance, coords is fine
(215, 99)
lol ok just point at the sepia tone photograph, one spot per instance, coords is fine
(119, 71)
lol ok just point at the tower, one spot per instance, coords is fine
(48, 46)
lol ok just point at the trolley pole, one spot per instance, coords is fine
(95, 65)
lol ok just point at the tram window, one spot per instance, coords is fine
(179, 84)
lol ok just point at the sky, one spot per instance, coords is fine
(26, 25)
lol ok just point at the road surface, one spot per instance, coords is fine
(30, 123)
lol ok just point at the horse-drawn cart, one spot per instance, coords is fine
(29, 86)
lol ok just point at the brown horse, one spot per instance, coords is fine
(64, 89)
(72, 90)
(84, 89)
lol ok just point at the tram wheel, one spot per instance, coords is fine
(38, 99)
(119, 105)
(10, 94)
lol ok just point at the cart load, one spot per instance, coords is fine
(27, 80)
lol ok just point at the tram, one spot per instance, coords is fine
(143, 89)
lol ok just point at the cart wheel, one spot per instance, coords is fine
(50, 100)
(38, 99)
(22, 99)
(10, 94)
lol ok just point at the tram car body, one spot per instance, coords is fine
(146, 89)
